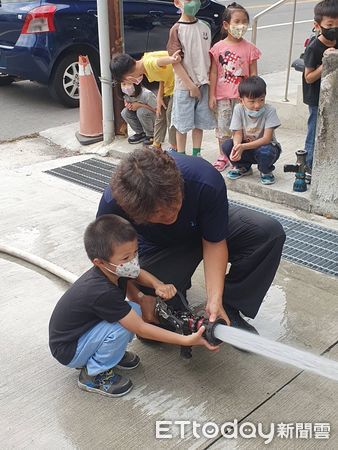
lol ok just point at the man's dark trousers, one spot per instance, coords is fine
(255, 244)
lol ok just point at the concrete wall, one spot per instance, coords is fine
(324, 188)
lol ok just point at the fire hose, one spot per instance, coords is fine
(187, 322)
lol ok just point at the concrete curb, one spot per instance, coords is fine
(270, 193)
(281, 192)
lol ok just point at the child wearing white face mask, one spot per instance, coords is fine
(233, 59)
(95, 320)
(139, 112)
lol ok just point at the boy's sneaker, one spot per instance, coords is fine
(148, 140)
(106, 383)
(129, 361)
(267, 178)
(239, 172)
(137, 138)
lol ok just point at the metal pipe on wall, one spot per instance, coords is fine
(290, 51)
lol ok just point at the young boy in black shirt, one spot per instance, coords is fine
(93, 322)
(326, 23)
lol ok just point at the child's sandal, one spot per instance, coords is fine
(222, 163)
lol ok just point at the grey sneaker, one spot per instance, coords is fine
(129, 361)
(106, 383)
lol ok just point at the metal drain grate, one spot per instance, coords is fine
(92, 173)
(306, 244)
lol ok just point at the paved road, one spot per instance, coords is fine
(274, 38)
(26, 107)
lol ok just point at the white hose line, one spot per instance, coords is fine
(276, 350)
(50, 267)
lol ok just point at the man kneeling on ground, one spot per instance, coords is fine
(179, 208)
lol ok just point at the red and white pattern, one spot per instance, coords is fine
(232, 67)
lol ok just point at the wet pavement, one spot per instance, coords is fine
(40, 404)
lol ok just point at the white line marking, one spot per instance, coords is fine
(265, 5)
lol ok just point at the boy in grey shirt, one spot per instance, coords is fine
(253, 124)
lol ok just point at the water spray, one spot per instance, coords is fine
(186, 322)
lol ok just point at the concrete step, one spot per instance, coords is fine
(281, 192)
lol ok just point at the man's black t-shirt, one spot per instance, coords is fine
(204, 211)
(91, 299)
(312, 59)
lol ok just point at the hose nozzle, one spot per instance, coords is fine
(209, 330)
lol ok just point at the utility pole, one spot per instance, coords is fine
(116, 34)
(106, 80)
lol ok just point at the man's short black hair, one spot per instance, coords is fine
(146, 180)
(120, 65)
(328, 8)
(252, 87)
(105, 234)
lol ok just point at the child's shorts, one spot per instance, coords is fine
(224, 110)
(190, 112)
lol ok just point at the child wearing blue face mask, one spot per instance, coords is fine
(94, 321)
(139, 112)
(253, 140)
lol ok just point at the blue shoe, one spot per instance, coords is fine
(129, 361)
(106, 383)
(267, 178)
(239, 172)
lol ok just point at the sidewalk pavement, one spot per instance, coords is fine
(281, 192)
(41, 406)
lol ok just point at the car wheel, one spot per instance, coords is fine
(6, 80)
(64, 85)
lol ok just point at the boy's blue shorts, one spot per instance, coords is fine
(190, 112)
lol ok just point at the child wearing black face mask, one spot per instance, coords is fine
(139, 112)
(326, 25)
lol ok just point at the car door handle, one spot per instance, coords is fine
(92, 11)
(156, 13)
